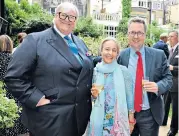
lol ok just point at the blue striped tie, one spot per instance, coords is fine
(73, 48)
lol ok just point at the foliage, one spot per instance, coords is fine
(8, 110)
(153, 32)
(123, 41)
(86, 27)
(93, 44)
(23, 16)
(37, 24)
(154, 23)
(123, 26)
(149, 42)
(126, 8)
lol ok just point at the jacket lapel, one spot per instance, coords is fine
(174, 54)
(58, 43)
(148, 61)
(126, 57)
(87, 63)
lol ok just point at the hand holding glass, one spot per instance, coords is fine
(96, 90)
(144, 80)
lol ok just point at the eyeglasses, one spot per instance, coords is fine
(63, 16)
(132, 33)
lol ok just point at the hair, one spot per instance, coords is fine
(21, 36)
(67, 6)
(6, 44)
(109, 39)
(163, 35)
(138, 20)
(175, 31)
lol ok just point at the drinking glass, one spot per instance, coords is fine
(144, 80)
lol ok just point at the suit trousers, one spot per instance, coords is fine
(167, 100)
(174, 121)
(145, 124)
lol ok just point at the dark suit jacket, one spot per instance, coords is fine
(157, 69)
(45, 66)
(162, 46)
(174, 61)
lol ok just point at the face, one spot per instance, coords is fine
(136, 35)
(165, 39)
(173, 39)
(109, 51)
(65, 26)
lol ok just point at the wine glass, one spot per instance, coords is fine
(144, 80)
(99, 85)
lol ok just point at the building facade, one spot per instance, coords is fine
(107, 13)
(150, 10)
(50, 5)
(172, 11)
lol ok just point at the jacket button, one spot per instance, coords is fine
(87, 85)
(76, 104)
(69, 71)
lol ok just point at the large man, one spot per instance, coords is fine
(173, 59)
(146, 62)
(51, 75)
(161, 44)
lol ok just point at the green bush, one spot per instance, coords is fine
(86, 27)
(123, 41)
(8, 110)
(93, 44)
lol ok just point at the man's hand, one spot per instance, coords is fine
(171, 67)
(43, 101)
(150, 87)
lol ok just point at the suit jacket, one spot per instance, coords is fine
(45, 66)
(162, 46)
(157, 69)
(174, 61)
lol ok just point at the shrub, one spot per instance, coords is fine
(8, 110)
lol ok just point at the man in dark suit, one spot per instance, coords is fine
(173, 60)
(161, 44)
(51, 75)
(146, 62)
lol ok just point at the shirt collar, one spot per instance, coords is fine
(175, 46)
(161, 41)
(62, 35)
(133, 52)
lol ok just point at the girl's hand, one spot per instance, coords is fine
(94, 91)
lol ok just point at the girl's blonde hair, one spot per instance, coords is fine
(6, 44)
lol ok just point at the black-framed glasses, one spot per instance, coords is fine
(63, 16)
(133, 33)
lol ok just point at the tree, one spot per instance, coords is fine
(86, 27)
(24, 17)
(126, 8)
(123, 26)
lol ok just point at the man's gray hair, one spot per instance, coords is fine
(175, 31)
(67, 6)
(138, 20)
